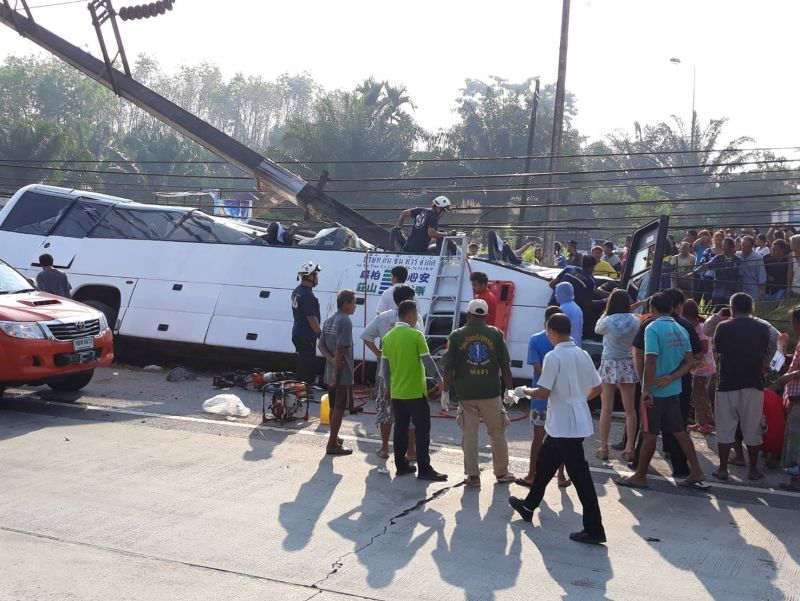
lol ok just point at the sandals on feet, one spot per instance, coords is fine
(628, 483)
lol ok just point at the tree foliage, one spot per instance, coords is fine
(50, 112)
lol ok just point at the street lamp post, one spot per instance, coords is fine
(677, 61)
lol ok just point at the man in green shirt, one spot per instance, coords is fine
(404, 362)
(476, 356)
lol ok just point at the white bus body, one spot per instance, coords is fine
(222, 294)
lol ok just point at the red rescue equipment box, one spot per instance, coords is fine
(503, 291)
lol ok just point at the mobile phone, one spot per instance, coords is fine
(725, 312)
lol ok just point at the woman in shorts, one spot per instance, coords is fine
(618, 326)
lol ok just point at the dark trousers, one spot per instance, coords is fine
(406, 411)
(568, 451)
(680, 465)
(306, 360)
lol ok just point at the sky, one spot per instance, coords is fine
(618, 64)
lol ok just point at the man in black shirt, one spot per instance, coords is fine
(306, 328)
(777, 266)
(424, 225)
(742, 344)
(51, 279)
(680, 466)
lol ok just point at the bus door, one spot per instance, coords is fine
(646, 255)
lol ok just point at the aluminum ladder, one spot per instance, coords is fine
(444, 314)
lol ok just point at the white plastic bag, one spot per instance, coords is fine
(226, 404)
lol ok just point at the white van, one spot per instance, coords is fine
(180, 275)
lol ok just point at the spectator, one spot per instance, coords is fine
(727, 273)
(473, 249)
(404, 362)
(700, 245)
(51, 280)
(672, 245)
(790, 458)
(617, 370)
(680, 466)
(539, 346)
(682, 267)
(626, 250)
(668, 357)
(573, 256)
(602, 267)
(336, 345)
(480, 287)
(705, 283)
(742, 344)
(475, 360)
(794, 265)
(611, 257)
(374, 331)
(559, 260)
(399, 277)
(568, 379)
(762, 247)
(565, 296)
(753, 274)
(701, 374)
(776, 265)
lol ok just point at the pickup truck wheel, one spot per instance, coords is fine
(72, 383)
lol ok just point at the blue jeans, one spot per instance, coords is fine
(778, 295)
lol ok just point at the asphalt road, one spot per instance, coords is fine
(129, 491)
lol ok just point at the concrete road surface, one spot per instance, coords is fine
(121, 497)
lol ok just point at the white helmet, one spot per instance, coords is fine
(442, 202)
(307, 269)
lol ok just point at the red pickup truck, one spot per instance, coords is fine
(47, 339)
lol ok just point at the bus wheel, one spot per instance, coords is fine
(109, 312)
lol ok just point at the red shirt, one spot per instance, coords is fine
(491, 300)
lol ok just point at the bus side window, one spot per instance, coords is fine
(136, 224)
(80, 219)
(35, 213)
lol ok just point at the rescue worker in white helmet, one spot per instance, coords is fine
(423, 228)
(306, 329)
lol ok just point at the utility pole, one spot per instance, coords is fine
(558, 126)
(526, 182)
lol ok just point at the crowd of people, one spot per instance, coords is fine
(674, 370)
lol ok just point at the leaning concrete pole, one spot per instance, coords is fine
(558, 127)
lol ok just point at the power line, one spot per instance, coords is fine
(414, 177)
(458, 189)
(64, 3)
(425, 160)
(548, 174)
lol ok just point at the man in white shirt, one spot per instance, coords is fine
(568, 380)
(399, 277)
(374, 331)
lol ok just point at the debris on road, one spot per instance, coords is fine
(179, 374)
(153, 368)
(226, 404)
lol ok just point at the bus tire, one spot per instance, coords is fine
(73, 382)
(109, 312)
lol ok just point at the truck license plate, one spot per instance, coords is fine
(81, 344)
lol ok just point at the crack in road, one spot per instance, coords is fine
(339, 563)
